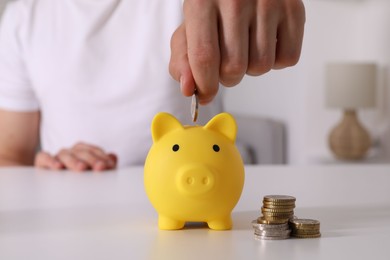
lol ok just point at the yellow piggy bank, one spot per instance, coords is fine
(194, 173)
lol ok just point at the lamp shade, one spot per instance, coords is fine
(350, 85)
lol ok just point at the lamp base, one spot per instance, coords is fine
(349, 140)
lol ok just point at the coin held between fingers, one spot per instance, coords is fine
(194, 106)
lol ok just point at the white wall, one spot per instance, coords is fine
(336, 30)
(278, 95)
(2, 3)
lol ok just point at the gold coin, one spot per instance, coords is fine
(281, 215)
(278, 206)
(299, 223)
(279, 202)
(277, 210)
(279, 198)
(305, 232)
(283, 219)
(303, 229)
(262, 220)
(306, 236)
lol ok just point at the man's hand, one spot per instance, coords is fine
(80, 157)
(222, 40)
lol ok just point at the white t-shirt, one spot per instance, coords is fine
(97, 70)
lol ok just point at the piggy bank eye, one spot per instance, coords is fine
(175, 148)
(216, 148)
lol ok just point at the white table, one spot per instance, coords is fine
(64, 215)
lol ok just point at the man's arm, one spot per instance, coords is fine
(19, 137)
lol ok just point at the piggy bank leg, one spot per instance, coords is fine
(169, 223)
(221, 224)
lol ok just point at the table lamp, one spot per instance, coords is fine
(350, 86)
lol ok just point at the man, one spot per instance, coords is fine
(87, 77)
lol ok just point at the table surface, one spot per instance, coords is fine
(66, 215)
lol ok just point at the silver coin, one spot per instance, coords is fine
(273, 233)
(194, 107)
(259, 226)
(257, 237)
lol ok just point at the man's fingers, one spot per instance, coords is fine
(290, 35)
(80, 157)
(234, 41)
(94, 156)
(263, 36)
(179, 67)
(276, 36)
(85, 146)
(113, 157)
(226, 39)
(71, 161)
(201, 26)
(90, 159)
(46, 161)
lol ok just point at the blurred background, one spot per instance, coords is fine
(336, 31)
(2, 3)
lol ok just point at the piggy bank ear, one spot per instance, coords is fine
(224, 124)
(164, 123)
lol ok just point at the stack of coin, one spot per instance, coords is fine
(277, 209)
(271, 231)
(305, 228)
(278, 221)
(276, 212)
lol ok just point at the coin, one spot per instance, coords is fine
(277, 220)
(262, 220)
(305, 228)
(258, 237)
(300, 223)
(306, 236)
(270, 205)
(194, 106)
(260, 226)
(273, 233)
(279, 198)
(277, 210)
(275, 217)
(305, 232)
(305, 221)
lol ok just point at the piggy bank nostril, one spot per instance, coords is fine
(190, 180)
(194, 180)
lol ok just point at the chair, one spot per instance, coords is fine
(261, 140)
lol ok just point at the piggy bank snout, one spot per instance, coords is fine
(195, 180)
